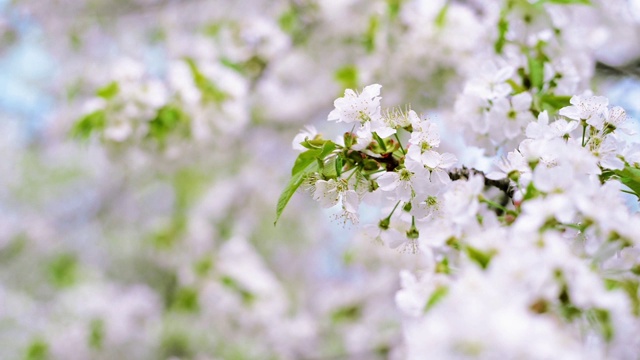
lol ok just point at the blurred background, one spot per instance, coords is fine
(153, 238)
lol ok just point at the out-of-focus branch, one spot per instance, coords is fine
(464, 173)
(631, 69)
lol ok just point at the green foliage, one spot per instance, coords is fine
(93, 122)
(394, 7)
(96, 334)
(630, 176)
(186, 300)
(503, 28)
(438, 294)
(482, 258)
(349, 313)
(536, 72)
(312, 155)
(247, 297)
(601, 320)
(176, 345)
(211, 93)
(203, 266)
(553, 103)
(347, 77)
(37, 350)
(306, 163)
(289, 21)
(63, 270)
(369, 40)
(167, 236)
(168, 120)
(631, 288)
(109, 91)
(441, 18)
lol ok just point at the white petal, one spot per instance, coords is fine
(388, 181)
(521, 101)
(371, 91)
(431, 159)
(350, 201)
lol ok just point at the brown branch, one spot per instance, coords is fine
(464, 173)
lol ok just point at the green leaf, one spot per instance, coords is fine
(210, 92)
(441, 18)
(306, 163)
(63, 270)
(168, 120)
(503, 28)
(339, 165)
(186, 300)
(247, 297)
(96, 334)
(38, 349)
(347, 76)
(109, 91)
(293, 185)
(394, 7)
(83, 128)
(630, 176)
(310, 156)
(553, 103)
(536, 72)
(289, 21)
(438, 294)
(601, 320)
(380, 142)
(349, 313)
(369, 40)
(482, 258)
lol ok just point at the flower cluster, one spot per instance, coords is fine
(544, 242)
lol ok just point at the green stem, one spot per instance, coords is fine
(400, 143)
(497, 206)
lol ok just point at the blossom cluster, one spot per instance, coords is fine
(544, 242)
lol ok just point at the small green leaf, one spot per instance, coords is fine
(536, 72)
(168, 120)
(339, 165)
(394, 7)
(308, 162)
(380, 142)
(347, 76)
(553, 103)
(482, 258)
(96, 334)
(369, 40)
(186, 300)
(441, 18)
(503, 28)
(349, 313)
(630, 176)
(309, 156)
(438, 294)
(247, 297)
(37, 350)
(601, 320)
(293, 185)
(210, 92)
(63, 270)
(83, 128)
(109, 91)
(288, 21)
